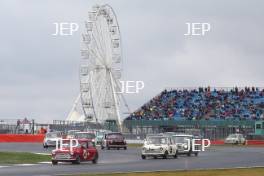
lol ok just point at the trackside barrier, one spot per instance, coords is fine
(34, 138)
(213, 142)
(255, 142)
(38, 138)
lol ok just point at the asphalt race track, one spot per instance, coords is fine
(130, 160)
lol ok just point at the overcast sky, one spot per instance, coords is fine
(39, 72)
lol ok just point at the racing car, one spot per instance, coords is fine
(114, 140)
(51, 139)
(184, 144)
(85, 151)
(236, 138)
(159, 146)
(86, 135)
(71, 134)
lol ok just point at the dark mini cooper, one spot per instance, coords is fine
(113, 140)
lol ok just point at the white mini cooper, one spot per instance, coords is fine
(159, 146)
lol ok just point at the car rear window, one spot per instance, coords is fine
(85, 135)
(111, 136)
(181, 139)
(157, 140)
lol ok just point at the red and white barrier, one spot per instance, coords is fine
(34, 138)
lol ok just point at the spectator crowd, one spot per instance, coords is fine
(204, 103)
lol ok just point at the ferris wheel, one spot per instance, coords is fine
(101, 66)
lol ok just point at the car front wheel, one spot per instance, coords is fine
(78, 160)
(176, 155)
(54, 162)
(165, 156)
(95, 160)
(189, 153)
(143, 157)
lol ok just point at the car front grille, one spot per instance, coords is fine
(152, 151)
(62, 156)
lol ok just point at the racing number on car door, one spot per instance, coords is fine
(170, 149)
(85, 154)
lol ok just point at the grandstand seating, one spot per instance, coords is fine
(204, 103)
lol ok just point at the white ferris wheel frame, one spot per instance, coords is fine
(101, 66)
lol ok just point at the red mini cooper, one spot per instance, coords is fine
(84, 151)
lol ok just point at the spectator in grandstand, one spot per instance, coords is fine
(204, 103)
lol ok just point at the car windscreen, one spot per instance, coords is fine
(232, 136)
(85, 135)
(53, 135)
(157, 140)
(66, 144)
(72, 132)
(180, 139)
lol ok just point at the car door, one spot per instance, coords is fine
(83, 151)
(241, 139)
(171, 147)
(174, 146)
(91, 151)
(104, 140)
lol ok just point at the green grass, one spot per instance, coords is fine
(215, 172)
(22, 158)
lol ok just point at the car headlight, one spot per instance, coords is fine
(185, 146)
(161, 148)
(53, 152)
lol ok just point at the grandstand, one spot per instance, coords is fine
(214, 113)
(204, 103)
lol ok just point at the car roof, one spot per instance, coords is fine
(170, 133)
(235, 134)
(80, 140)
(114, 133)
(182, 135)
(53, 132)
(84, 132)
(158, 136)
